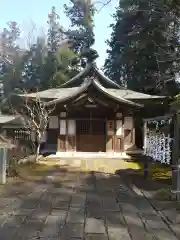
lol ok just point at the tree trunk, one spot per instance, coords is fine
(38, 146)
(37, 151)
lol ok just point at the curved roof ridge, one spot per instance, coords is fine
(80, 74)
(105, 91)
(107, 79)
(74, 94)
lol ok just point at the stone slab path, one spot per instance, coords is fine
(84, 206)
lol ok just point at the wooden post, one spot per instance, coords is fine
(144, 136)
(58, 136)
(176, 159)
(106, 135)
(114, 136)
(3, 165)
(75, 137)
(66, 136)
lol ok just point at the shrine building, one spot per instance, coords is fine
(93, 114)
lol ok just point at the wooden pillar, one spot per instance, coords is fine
(62, 132)
(75, 137)
(110, 136)
(58, 136)
(119, 135)
(71, 135)
(106, 139)
(176, 159)
(133, 131)
(66, 137)
(133, 136)
(114, 136)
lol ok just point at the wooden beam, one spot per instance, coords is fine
(82, 97)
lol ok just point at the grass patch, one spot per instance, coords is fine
(33, 171)
(160, 173)
(86, 165)
(157, 171)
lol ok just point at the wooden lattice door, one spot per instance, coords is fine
(90, 136)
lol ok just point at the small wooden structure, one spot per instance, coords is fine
(93, 114)
(5, 145)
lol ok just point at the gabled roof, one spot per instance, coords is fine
(97, 85)
(91, 76)
(55, 93)
(90, 69)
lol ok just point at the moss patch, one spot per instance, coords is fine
(33, 171)
(157, 171)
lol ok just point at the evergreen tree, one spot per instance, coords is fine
(10, 55)
(32, 69)
(81, 14)
(144, 45)
(58, 61)
(47, 65)
(55, 34)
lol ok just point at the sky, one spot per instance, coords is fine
(26, 13)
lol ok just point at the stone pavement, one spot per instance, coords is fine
(84, 206)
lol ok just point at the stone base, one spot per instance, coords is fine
(121, 155)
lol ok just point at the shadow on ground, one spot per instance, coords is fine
(72, 204)
(159, 175)
(148, 184)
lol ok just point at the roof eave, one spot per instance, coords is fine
(108, 80)
(118, 99)
(100, 88)
(76, 93)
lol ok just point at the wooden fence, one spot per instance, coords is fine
(23, 146)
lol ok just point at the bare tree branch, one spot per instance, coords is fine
(103, 4)
(34, 116)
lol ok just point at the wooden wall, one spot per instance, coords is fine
(119, 134)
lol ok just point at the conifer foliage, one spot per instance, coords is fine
(81, 14)
(144, 47)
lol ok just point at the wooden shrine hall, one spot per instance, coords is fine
(93, 114)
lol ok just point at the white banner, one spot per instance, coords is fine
(128, 123)
(72, 127)
(119, 128)
(62, 127)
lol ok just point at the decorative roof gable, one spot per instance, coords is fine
(91, 71)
